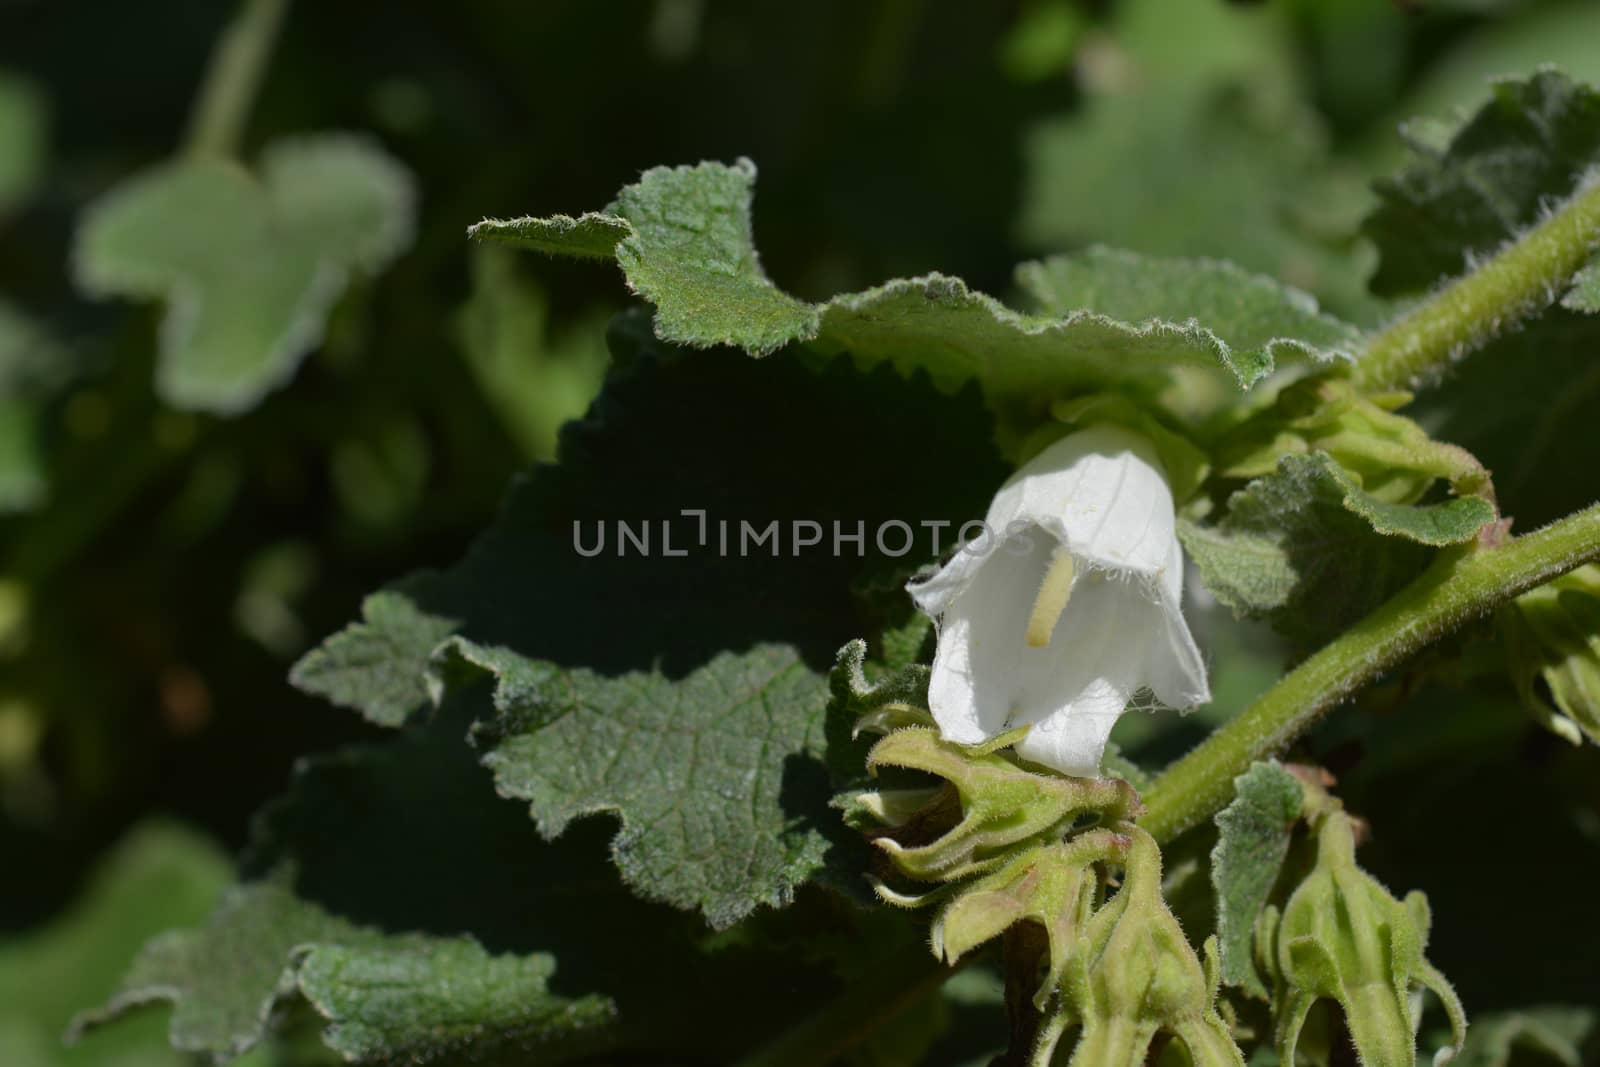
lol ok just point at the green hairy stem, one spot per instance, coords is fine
(1522, 278)
(234, 77)
(1459, 587)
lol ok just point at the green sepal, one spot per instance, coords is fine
(1139, 976)
(1389, 456)
(1343, 937)
(1002, 806)
(1552, 633)
(1051, 885)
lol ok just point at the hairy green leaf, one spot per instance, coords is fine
(1306, 546)
(249, 265)
(716, 778)
(617, 690)
(1532, 143)
(374, 665)
(418, 915)
(690, 250)
(159, 875)
(1252, 841)
(386, 998)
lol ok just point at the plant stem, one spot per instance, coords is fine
(1523, 277)
(233, 78)
(1458, 587)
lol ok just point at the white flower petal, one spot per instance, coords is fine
(970, 692)
(1102, 494)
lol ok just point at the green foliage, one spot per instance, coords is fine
(22, 140)
(534, 377)
(1252, 841)
(690, 250)
(1534, 1037)
(249, 266)
(716, 777)
(649, 720)
(1223, 141)
(1531, 144)
(30, 365)
(1308, 547)
(441, 892)
(386, 998)
(158, 876)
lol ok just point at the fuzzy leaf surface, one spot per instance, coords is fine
(699, 723)
(703, 772)
(249, 265)
(1531, 144)
(1252, 841)
(1306, 546)
(690, 250)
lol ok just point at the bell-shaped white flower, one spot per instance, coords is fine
(1070, 608)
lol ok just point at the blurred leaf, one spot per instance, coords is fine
(22, 140)
(689, 249)
(1230, 160)
(159, 875)
(1547, 34)
(1546, 1036)
(535, 379)
(1252, 841)
(1530, 144)
(249, 267)
(1307, 547)
(30, 366)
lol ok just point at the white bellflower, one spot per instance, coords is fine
(1071, 608)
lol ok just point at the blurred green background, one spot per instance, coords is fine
(160, 568)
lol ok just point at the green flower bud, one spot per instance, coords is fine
(1392, 457)
(1051, 885)
(1343, 937)
(1553, 633)
(1002, 807)
(1134, 976)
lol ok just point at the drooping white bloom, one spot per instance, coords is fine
(1071, 607)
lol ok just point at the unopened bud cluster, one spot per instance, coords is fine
(998, 844)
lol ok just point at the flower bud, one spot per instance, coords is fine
(1391, 456)
(1051, 885)
(1134, 976)
(1343, 937)
(1001, 806)
(1553, 633)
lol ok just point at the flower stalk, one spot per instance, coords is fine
(1522, 278)
(1460, 586)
